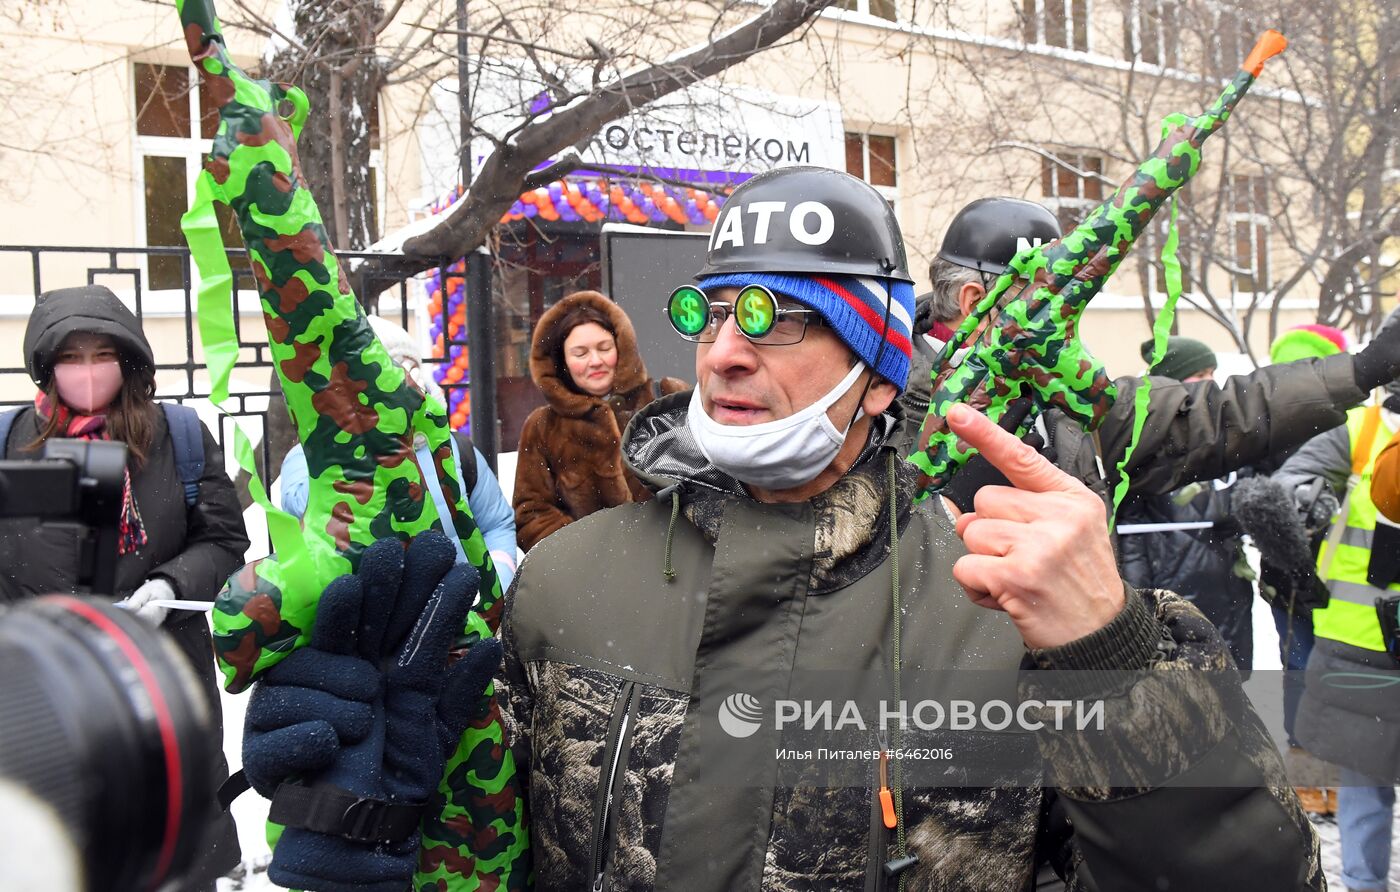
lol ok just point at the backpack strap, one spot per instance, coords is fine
(186, 436)
(434, 487)
(7, 421)
(466, 461)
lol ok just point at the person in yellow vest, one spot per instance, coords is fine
(1350, 711)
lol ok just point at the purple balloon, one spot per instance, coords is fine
(531, 210)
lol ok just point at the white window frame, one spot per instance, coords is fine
(194, 149)
(1068, 7)
(890, 193)
(1261, 229)
(1081, 204)
(862, 8)
(1242, 27)
(1168, 50)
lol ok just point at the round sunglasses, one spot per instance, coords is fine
(757, 315)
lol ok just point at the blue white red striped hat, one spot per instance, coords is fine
(855, 307)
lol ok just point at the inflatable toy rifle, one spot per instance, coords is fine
(359, 418)
(1025, 354)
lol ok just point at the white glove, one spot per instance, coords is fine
(150, 590)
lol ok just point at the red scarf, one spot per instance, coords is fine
(132, 533)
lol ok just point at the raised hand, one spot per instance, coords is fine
(1039, 548)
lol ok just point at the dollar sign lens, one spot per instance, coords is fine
(688, 311)
(756, 310)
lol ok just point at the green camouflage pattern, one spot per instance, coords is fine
(1025, 354)
(358, 416)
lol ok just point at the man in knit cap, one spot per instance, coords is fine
(650, 648)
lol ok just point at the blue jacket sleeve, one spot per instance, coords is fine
(495, 518)
(296, 482)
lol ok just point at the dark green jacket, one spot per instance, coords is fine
(615, 681)
(1196, 431)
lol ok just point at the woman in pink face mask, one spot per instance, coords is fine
(96, 377)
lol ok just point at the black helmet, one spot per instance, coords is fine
(986, 234)
(807, 220)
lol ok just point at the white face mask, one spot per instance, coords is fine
(778, 454)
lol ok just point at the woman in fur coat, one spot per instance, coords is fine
(585, 361)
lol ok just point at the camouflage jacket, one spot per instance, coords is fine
(615, 677)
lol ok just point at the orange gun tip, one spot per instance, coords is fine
(1270, 44)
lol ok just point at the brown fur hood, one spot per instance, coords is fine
(552, 378)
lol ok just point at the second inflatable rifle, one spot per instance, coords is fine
(1021, 350)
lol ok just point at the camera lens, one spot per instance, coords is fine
(102, 719)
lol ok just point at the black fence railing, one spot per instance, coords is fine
(180, 378)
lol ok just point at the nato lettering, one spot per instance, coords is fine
(809, 222)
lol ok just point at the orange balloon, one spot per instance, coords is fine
(711, 211)
(527, 197)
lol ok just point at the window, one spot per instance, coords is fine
(880, 9)
(1150, 31)
(1249, 222)
(1231, 37)
(175, 121)
(1057, 23)
(1072, 185)
(873, 159)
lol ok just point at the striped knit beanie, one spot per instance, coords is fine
(855, 307)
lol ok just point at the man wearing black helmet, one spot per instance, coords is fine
(1194, 431)
(655, 651)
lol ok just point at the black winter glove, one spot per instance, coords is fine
(349, 734)
(1379, 363)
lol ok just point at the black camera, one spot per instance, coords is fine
(104, 725)
(80, 482)
(106, 737)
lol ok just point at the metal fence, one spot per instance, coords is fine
(128, 271)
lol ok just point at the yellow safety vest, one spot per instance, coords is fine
(1350, 617)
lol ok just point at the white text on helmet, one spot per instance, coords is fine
(809, 222)
(1025, 244)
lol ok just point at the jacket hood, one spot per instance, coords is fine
(553, 379)
(90, 308)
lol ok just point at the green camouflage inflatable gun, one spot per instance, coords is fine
(361, 420)
(1021, 351)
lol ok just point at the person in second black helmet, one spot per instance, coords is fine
(1193, 431)
(650, 647)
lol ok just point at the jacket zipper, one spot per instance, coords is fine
(879, 837)
(603, 824)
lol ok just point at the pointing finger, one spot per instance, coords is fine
(1021, 464)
